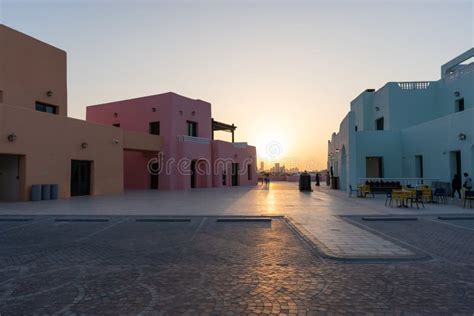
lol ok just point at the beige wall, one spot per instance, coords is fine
(49, 142)
(29, 69)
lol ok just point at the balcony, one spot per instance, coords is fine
(195, 140)
(414, 85)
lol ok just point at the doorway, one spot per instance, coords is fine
(80, 177)
(193, 174)
(374, 167)
(9, 177)
(419, 166)
(235, 174)
(455, 163)
(154, 176)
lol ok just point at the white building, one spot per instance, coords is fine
(409, 129)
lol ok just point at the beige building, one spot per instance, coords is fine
(39, 144)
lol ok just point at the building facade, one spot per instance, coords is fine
(190, 157)
(39, 144)
(409, 129)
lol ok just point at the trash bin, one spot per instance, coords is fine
(305, 182)
(54, 191)
(36, 192)
(335, 183)
(46, 192)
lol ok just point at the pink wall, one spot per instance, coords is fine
(172, 111)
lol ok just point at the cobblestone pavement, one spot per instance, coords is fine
(118, 265)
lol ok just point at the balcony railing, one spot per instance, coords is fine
(414, 182)
(414, 85)
(462, 71)
(196, 140)
(240, 145)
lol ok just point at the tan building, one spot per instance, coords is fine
(39, 144)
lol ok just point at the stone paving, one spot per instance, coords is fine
(117, 265)
(316, 214)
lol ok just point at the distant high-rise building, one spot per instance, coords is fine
(262, 166)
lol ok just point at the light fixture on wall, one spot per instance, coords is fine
(115, 114)
(462, 136)
(153, 109)
(11, 137)
(180, 112)
(377, 108)
(193, 113)
(49, 93)
(84, 145)
(457, 94)
(116, 141)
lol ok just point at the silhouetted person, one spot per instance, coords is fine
(317, 179)
(467, 181)
(328, 179)
(456, 185)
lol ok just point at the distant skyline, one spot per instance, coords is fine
(284, 72)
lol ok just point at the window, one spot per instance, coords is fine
(1, 96)
(154, 128)
(43, 107)
(249, 172)
(116, 125)
(374, 167)
(459, 105)
(379, 124)
(192, 129)
(355, 128)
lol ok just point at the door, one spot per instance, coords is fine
(374, 167)
(80, 177)
(193, 174)
(235, 174)
(154, 177)
(455, 162)
(419, 166)
(9, 178)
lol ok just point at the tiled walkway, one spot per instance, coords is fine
(316, 213)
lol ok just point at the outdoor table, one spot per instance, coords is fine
(404, 195)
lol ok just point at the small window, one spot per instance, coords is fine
(459, 105)
(379, 124)
(249, 172)
(192, 128)
(47, 108)
(154, 128)
(1, 96)
(116, 125)
(355, 128)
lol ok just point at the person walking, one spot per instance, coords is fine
(317, 179)
(456, 186)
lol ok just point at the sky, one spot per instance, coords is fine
(283, 71)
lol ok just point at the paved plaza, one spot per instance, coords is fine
(177, 253)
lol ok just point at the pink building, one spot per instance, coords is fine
(190, 158)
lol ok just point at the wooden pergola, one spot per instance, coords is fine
(219, 126)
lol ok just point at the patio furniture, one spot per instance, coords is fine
(468, 196)
(388, 199)
(364, 190)
(351, 190)
(417, 198)
(426, 194)
(439, 196)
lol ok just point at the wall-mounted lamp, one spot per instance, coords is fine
(462, 136)
(11, 138)
(153, 109)
(377, 108)
(457, 94)
(115, 114)
(49, 93)
(193, 113)
(180, 112)
(116, 141)
(84, 145)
